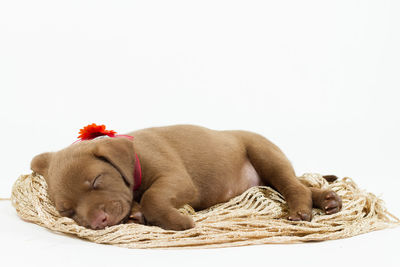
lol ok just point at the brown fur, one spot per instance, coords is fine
(181, 165)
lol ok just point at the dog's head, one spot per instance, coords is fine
(90, 181)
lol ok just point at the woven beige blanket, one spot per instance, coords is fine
(258, 216)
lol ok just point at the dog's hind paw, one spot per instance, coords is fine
(330, 202)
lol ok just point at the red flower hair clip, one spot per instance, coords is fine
(93, 130)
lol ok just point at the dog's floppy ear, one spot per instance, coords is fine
(118, 152)
(40, 163)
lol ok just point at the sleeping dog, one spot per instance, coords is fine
(95, 182)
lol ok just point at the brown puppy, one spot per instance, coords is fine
(92, 181)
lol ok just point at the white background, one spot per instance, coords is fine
(319, 78)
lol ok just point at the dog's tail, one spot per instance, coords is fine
(330, 178)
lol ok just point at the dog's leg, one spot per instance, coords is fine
(160, 203)
(275, 170)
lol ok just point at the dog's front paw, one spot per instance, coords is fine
(179, 222)
(137, 217)
(173, 220)
(330, 202)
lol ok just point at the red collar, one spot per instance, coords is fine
(93, 131)
(137, 176)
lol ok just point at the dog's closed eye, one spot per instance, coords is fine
(96, 182)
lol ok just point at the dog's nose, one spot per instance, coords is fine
(100, 220)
